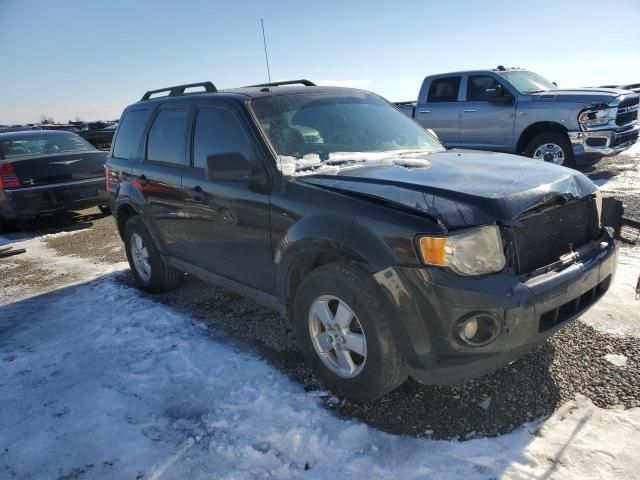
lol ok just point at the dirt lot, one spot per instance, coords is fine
(573, 361)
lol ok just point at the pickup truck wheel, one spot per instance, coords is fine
(150, 272)
(551, 147)
(344, 336)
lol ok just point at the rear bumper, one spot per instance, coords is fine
(424, 304)
(22, 203)
(601, 143)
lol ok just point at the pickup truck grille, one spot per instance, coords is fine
(627, 111)
(545, 235)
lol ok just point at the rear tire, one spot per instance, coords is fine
(552, 147)
(375, 366)
(150, 271)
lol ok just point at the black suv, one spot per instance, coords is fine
(392, 255)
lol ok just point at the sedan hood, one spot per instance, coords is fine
(461, 187)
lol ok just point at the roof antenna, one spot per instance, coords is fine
(266, 55)
(290, 168)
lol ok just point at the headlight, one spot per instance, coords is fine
(472, 252)
(597, 117)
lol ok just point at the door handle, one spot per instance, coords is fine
(424, 111)
(470, 110)
(142, 179)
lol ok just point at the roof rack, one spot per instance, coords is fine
(303, 81)
(179, 89)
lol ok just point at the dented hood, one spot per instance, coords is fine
(462, 187)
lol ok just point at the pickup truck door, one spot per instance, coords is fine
(487, 124)
(158, 176)
(227, 221)
(438, 108)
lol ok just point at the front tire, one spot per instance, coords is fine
(150, 271)
(344, 335)
(552, 147)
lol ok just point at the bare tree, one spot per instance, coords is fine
(46, 120)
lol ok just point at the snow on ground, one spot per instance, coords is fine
(97, 380)
(627, 182)
(56, 269)
(618, 312)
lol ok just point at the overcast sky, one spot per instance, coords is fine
(92, 58)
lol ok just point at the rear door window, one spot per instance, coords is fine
(444, 90)
(168, 137)
(129, 134)
(218, 131)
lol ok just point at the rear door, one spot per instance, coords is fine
(486, 125)
(158, 177)
(439, 108)
(227, 220)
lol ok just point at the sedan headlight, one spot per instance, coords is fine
(471, 252)
(596, 117)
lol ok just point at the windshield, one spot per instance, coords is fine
(315, 130)
(527, 82)
(42, 143)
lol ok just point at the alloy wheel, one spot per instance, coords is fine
(337, 336)
(140, 257)
(550, 152)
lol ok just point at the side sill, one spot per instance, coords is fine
(258, 296)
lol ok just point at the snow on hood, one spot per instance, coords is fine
(312, 164)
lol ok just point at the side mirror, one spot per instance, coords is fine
(230, 166)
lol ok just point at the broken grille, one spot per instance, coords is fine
(543, 236)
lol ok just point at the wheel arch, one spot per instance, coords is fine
(123, 213)
(536, 129)
(310, 255)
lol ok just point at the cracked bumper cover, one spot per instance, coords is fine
(424, 303)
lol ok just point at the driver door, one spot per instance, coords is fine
(227, 221)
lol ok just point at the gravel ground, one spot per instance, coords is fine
(573, 361)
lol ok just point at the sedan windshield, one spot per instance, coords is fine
(317, 130)
(527, 82)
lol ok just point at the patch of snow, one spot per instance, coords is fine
(58, 269)
(618, 312)
(312, 164)
(96, 377)
(616, 359)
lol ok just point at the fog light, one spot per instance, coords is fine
(470, 328)
(477, 329)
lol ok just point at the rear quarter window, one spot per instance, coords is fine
(129, 134)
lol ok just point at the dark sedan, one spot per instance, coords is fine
(44, 172)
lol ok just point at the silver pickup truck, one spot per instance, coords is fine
(518, 111)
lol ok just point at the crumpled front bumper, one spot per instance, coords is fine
(423, 304)
(600, 143)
